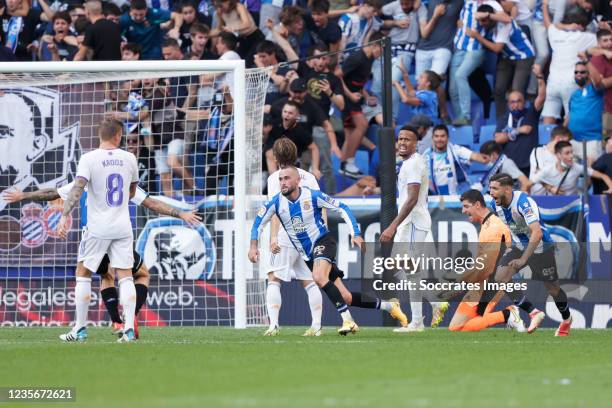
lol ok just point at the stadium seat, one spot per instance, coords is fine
(544, 133)
(487, 132)
(463, 135)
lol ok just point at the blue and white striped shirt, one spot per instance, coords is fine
(468, 18)
(302, 218)
(356, 29)
(517, 46)
(522, 212)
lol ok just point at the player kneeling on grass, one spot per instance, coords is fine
(286, 261)
(475, 310)
(299, 210)
(140, 273)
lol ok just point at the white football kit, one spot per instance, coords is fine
(288, 263)
(109, 174)
(417, 224)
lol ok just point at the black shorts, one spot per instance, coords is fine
(103, 268)
(326, 248)
(543, 265)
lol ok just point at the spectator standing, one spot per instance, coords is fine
(585, 104)
(199, 35)
(469, 54)
(354, 73)
(278, 85)
(357, 27)
(288, 125)
(600, 72)
(55, 48)
(146, 26)
(233, 17)
(102, 38)
(516, 54)
(191, 15)
(18, 31)
(437, 25)
(323, 29)
(566, 42)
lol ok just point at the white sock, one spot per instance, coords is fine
(316, 304)
(416, 306)
(346, 315)
(386, 305)
(127, 295)
(273, 302)
(82, 297)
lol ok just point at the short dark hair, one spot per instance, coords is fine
(110, 9)
(170, 42)
(62, 15)
(412, 129)
(562, 145)
(503, 179)
(485, 8)
(199, 28)
(228, 39)
(290, 15)
(377, 4)
(188, 3)
(603, 33)
(267, 47)
(319, 6)
(321, 47)
(440, 127)
(473, 196)
(376, 36)
(578, 17)
(490, 147)
(135, 48)
(292, 103)
(138, 5)
(109, 128)
(433, 78)
(560, 131)
(81, 24)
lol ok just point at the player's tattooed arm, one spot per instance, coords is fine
(14, 195)
(74, 195)
(190, 217)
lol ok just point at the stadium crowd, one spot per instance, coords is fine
(516, 86)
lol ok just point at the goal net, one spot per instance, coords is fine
(196, 130)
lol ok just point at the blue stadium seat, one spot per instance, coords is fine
(487, 132)
(362, 161)
(544, 133)
(463, 135)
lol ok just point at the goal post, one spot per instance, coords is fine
(245, 92)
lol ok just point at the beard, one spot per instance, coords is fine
(287, 192)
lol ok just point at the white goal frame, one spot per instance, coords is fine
(237, 67)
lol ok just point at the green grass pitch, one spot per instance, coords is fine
(224, 367)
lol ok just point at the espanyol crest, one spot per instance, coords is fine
(33, 229)
(52, 216)
(172, 250)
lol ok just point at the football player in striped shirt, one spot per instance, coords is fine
(140, 273)
(286, 262)
(532, 247)
(299, 210)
